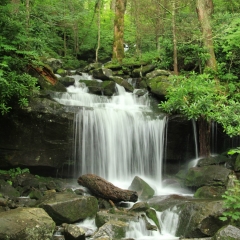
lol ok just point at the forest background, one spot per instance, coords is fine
(167, 33)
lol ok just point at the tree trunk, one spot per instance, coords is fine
(99, 28)
(204, 11)
(118, 50)
(175, 61)
(106, 190)
(204, 137)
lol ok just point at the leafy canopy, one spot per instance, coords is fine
(201, 96)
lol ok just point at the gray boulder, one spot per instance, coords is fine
(54, 63)
(143, 70)
(119, 80)
(158, 85)
(67, 81)
(144, 191)
(73, 232)
(69, 208)
(26, 223)
(102, 73)
(7, 190)
(212, 175)
(196, 218)
(157, 72)
(111, 230)
(227, 233)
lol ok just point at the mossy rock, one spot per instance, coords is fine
(61, 72)
(128, 87)
(212, 175)
(158, 85)
(209, 192)
(142, 71)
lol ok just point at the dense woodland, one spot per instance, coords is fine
(198, 40)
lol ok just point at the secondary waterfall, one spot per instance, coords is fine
(116, 138)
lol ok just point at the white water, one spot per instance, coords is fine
(168, 223)
(116, 138)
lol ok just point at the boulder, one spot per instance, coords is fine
(142, 71)
(212, 175)
(111, 230)
(73, 232)
(158, 86)
(69, 208)
(157, 72)
(228, 232)
(54, 63)
(128, 87)
(106, 88)
(210, 192)
(26, 223)
(7, 190)
(216, 160)
(67, 81)
(102, 73)
(103, 217)
(142, 188)
(196, 218)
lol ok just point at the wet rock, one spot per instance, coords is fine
(26, 223)
(102, 73)
(158, 86)
(7, 190)
(39, 135)
(216, 160)
(209, 192)
(111, 230)
(54, 63)
(69, 208)
(207, 176)
(67, 81)
(227, 233)
(196, 217)
(73, 232)
(119, 80)
(151, 213)
(143, 70)
(139, 207)
(157, 72)
(142, 188)
(103, 217)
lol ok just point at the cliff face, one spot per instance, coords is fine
(37, 136)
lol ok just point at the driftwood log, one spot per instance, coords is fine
(106, 190)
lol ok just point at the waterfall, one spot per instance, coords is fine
(116, 138)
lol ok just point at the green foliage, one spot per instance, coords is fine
(232, 203)
(200, 95)
(14, 172)
(234, 151)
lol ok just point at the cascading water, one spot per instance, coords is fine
(116, 138)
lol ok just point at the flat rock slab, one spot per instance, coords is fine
(69, 208)
(26, 223)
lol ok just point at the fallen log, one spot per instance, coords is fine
(106, 190)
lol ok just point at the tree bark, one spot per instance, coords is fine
(118, 50)
(204, 11)
(106, 190)
(204, 137)
(175, 59)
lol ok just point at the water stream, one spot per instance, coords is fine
(118, 138)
